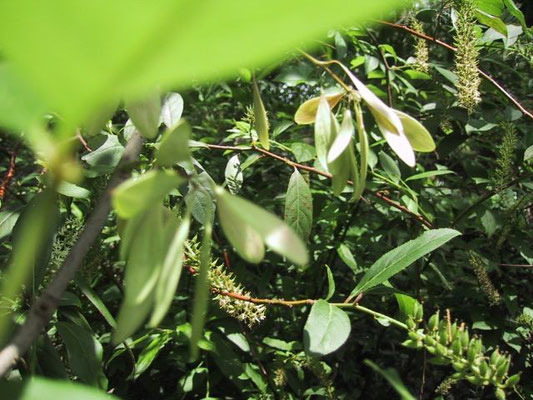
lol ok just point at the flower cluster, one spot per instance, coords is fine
(480, 270)
(421, 48)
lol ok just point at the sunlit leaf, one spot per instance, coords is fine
(233, 175)
(324, 131)
(306, 113)
(416, 133)
(343, 138)
(171, 110)
(145, 115)
(402, 256)
(326, 329)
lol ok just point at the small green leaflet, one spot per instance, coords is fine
(326, 329)
(261, 120)
(401, 257)
(306, 113)
(346, 255)
(299, 205)
(233, 175)
(331, 284)
(324, 126)
(171, 110)
(429, 174)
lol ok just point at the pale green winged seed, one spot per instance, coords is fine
(306, 113)
(261, 119)
(416, 133)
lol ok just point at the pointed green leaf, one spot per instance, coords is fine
(84, 353)
(326, 329)
(233, 175)
(416, 133)
(392, 377)
(138, 194)
(346, 255)
(299, 205)
(145, 115)
(171, 110)
(247, 226)
(306, 113)
(331, 284)
(174, 146)
(324, 127)
(401, 257)
(260, 116)
(170, 273)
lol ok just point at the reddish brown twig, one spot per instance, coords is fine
(285, 160)
(9, 175)
(452, 48)
(83, 142)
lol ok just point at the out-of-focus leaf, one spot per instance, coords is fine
(326, 329)
(50, 389)
(138, 194)
(528, 154)
(402, 256)
(170, 273)
(260, 116)
(247, 226)
(84, 353)
(429, 174)
(171, 110)
(491, 21)
(299, 205)
(8, 218)
(174, 146)
(106, 153)
(145, 115)
(306, 113)
(71, 190)
(201, 200)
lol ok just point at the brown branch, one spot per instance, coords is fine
(43, 308)
(9, 175)
(83, 142)
(285, 160)
(485, 75)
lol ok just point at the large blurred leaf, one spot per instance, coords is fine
(48, 389)
(84, 353)
(299, 205)
(174, 146)
(76, 54)
(326, 329)
(402, 256)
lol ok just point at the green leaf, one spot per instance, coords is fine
(392, 377)
(150, 352)
(171, 110)
(201, 200)
(326, 329)
(174, 145)
(138, 194)
(390, 166)
(8, 218)
(233, 175)
(346, 255)
(528, 154)
(157, 45)
(492, 22)
(106, 153)
(307, 112)
(143, 266)
(84, 353)
(324, 131)
(247, 226)
(416, 133)
(331, 284)
(95, 300)
(260, 116)
(343, 139)
(515, 12)
(71, 190)
(429, 174)
(303, 152)
(170, 272)
(50, 389)
(299, 205)
(494, 7)
(401, 257)
(145, 115)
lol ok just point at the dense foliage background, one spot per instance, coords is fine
(478, 181)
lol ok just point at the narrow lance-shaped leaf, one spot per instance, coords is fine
(340, 162)
(201, 290)
(416, 133)
(326, 329)
(299, 205)
(170, 272)
(331, 283)
(343, 139)
(145, 115)
(323, 131)
(260, 116)
(174, 146)
(401, 257)
(363, 151)
(247, 226)
(306, 113)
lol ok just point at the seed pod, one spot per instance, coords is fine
(512, 380)
(430, 341)
(453, 331)
(483, 368)
(474, 380)
(443, 333)
(419, 312)
(458, 366)
(465, 337)
(441, 350)
(414, 336)
(431, 349)
(410, 323)
(457, 375)
(503, 369)
(500, 394)
(412, 344)
(495, 357)
(433, 322)
(457, 348)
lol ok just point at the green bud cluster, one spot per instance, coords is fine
(466, 56)
(222, 281)
(451, 344)
(421, 48)
(486, 285)
(505, 161)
